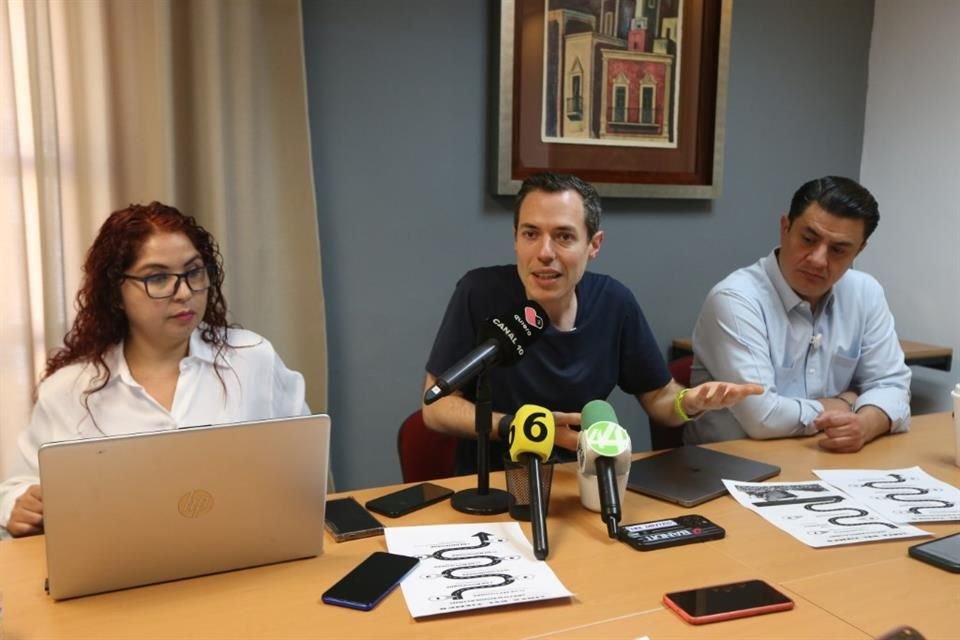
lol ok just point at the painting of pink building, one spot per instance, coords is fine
(611, 72)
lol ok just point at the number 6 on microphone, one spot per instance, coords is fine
(531, 431)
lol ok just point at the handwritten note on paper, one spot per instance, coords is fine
(817, 514)
(471, 566)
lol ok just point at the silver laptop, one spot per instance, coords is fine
(690, 475)
(125, 511)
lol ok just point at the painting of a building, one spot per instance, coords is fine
(611, 71)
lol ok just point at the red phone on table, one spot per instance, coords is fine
(727, 601)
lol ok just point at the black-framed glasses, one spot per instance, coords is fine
(165, 285)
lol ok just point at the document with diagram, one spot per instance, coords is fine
(816, 513)
(901, 495)
(471, 566)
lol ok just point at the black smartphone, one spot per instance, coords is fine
(942, 552)
(727, 601)
(370, 581)
(347, 520)
(402, 502)
(660, 534)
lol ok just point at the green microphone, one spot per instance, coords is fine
(604, 454)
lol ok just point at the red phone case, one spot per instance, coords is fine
(727, 615)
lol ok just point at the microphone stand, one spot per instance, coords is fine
(483, 500)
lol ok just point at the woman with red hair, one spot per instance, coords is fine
(150, 349)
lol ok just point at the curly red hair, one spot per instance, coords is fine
(101, 322)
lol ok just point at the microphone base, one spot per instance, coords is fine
(492, 502)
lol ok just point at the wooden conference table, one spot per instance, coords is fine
(858, 591)
(914, 353)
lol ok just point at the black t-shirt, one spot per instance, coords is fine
(611, 345)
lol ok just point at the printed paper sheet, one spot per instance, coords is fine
(901, 495)
(471, 566)
(817, 514)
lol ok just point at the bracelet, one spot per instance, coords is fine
(678, 405)
(849, 404)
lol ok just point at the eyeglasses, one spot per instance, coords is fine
(165, 285)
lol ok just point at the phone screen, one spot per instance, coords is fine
(726, 601)
(942, 552)
(346, 520)
(410, 499)
(370, 581)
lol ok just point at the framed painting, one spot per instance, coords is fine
(630, 95)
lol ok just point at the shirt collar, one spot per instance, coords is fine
(199, 349)
(788, 297)
(117, 363)
(120, 370)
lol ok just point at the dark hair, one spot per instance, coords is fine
(838, 196)
(555, 183)
(101, 322)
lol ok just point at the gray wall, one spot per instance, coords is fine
(919, 211)
(400, 105)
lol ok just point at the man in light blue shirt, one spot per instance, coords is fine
(818, 335)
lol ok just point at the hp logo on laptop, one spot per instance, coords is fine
(194, 504)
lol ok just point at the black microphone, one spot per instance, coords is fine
(502, 341)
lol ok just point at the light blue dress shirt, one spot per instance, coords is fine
(754, 328)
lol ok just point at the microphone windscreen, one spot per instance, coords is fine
(597, 411)
(601, 431)
(516, 331)
(532, 431)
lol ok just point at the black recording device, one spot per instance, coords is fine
(404, 501)
(660, 534)
(347, 520)
(370, 581)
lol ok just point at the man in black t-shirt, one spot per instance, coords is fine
(597, 338)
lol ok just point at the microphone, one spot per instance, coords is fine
(816, 341)
(502, 341)
(530, 438)
(603, 451)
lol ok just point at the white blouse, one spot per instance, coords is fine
(255, 385)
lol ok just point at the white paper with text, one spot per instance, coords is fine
(817, 514)
(901, 495)
(471, 566)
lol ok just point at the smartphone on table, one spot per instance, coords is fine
(660, 534)
(727, 601)
(943, 552)
(370, 581)
(404, 501)
(347, 520)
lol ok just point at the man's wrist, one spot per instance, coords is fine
(680, 408)
(876, 420)
(846, 401)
